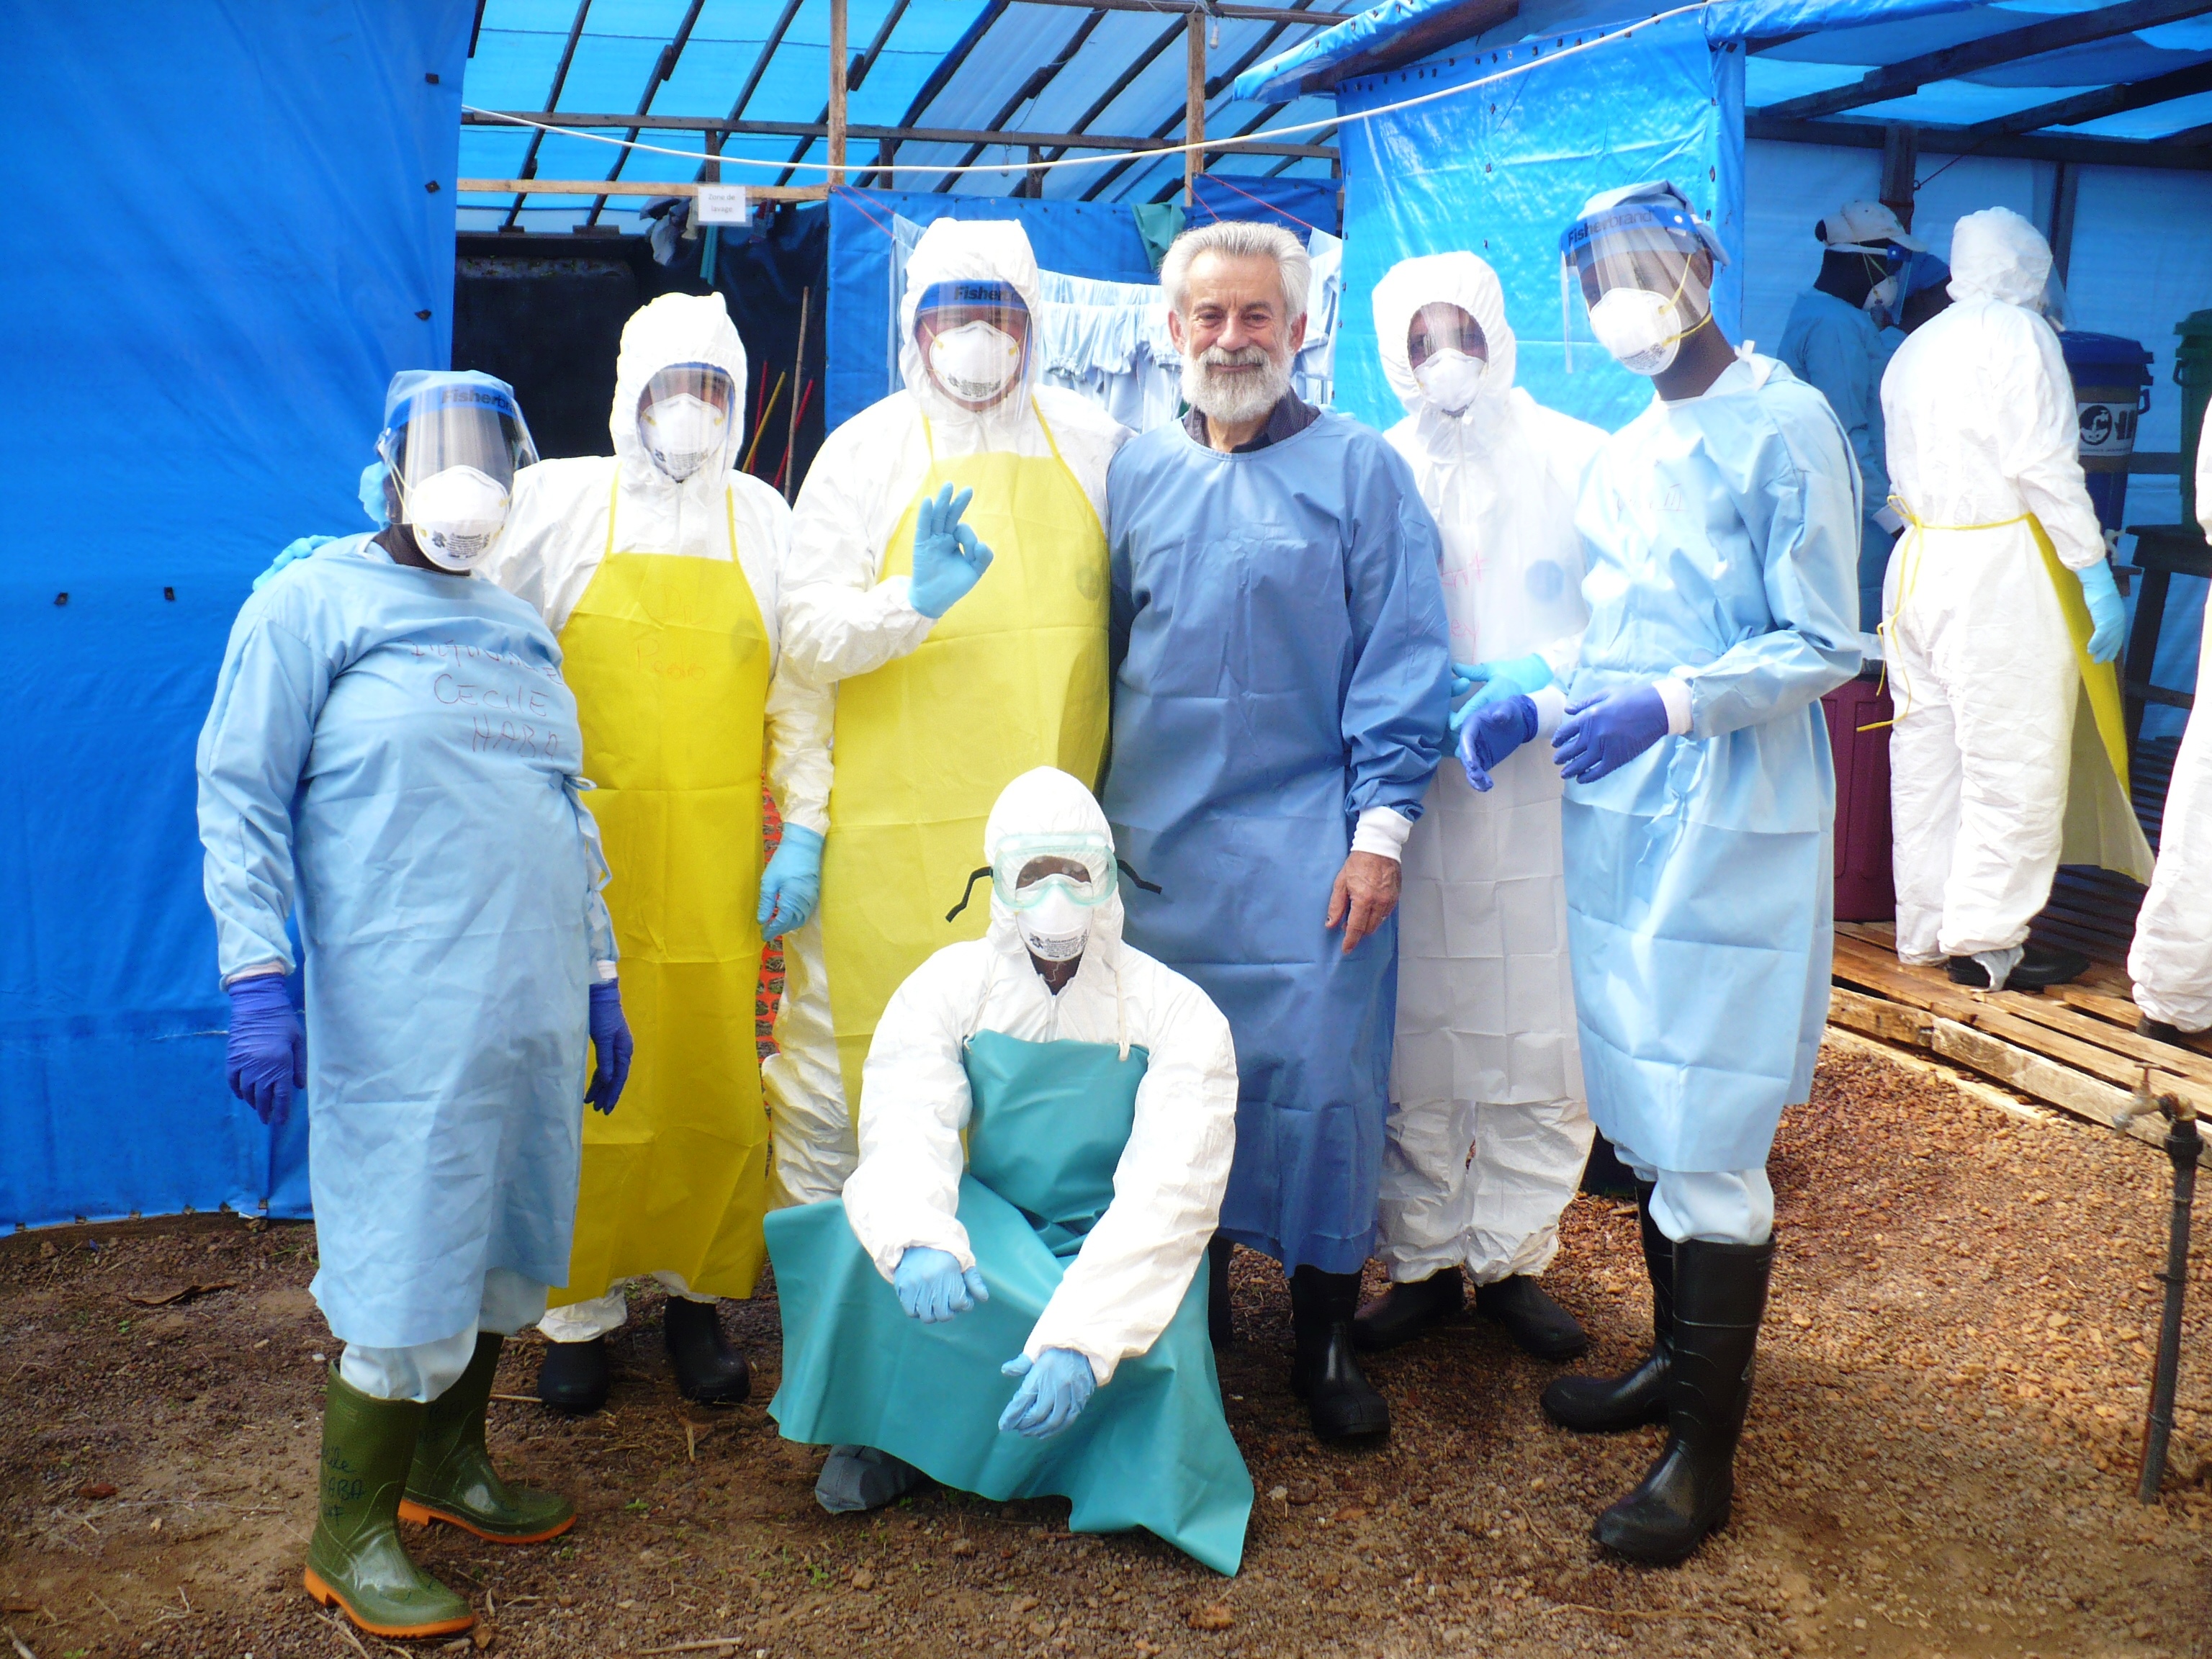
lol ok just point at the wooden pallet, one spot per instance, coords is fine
(2074, 1047)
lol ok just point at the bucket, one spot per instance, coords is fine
(2192, 372)
(2111, 389)
(1865, 889)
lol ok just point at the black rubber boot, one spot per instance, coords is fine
(1220, 1313)
(1541, 1326)
(1720, 1296)
(707, 1369)
(1342, 1403)
(2160, 1031)
(857, 1478)
(1607, 1405)
(1406, 1311)
(572, 1376)
(2038, 965)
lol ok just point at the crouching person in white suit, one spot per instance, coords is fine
(1025, 1315)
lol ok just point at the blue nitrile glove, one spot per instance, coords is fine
(292, 552)
(931, 1286)
(1515, 677)
(1055, 1389)
(1603, 734)
(791, 886)
(267, 1056)
(611, 1043)
(1497, 730)
(949, 557)
(2107, 618)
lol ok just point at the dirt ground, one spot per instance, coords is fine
(1940, 1461)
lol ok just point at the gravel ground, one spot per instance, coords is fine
(1940, 1459)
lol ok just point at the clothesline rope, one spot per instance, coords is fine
(1108, 158)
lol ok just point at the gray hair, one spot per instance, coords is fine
(1239, 239)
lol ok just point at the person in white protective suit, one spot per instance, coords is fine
(949, 574)
(2007, 753)
(1486, 1056)
(659, 568)
(2171, 960)
(1008, 1298)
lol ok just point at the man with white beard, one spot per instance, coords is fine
(1281, 683)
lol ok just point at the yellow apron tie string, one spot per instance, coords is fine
(1906, 579)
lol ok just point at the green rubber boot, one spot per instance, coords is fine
(452, 1480)
(355, 1561)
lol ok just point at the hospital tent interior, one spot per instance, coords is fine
(287, 204)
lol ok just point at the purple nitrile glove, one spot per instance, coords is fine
(611, 1044)
(268, 1057)
(1603, 734)
(1491, 733)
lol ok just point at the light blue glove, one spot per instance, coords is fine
(1603, 734)
(931, 1286)
(1515, 677)
(292, 552)
(1497, 730)
(2107, 616)
(949, 557)
(1055, 1389)
(791, 886)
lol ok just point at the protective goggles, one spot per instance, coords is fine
(945, 306)
(1028, 868)
(709, 383)
(445, 427)
(1441, 327)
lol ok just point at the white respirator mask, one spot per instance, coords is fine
(976, 362)
(455, 515)
(1642, 329)
(1450, 379)
(682, 434)
(1882, 296)
(1055, 928)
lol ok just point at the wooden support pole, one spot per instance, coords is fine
(1901, 158)
(2066, 188)
(838, 68)
(1193, 112)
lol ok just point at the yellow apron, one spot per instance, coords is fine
(1012, 676)
(670, 662)
(2100, 827)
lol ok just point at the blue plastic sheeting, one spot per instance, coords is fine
(1082, 239)
(1298, 205)
(199, 392)
(1305, 68)
(1502, 171)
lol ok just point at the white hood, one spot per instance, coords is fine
(970, 249)
(1047, 801)
(1456, 279)
(1997, 255)
(676, 328)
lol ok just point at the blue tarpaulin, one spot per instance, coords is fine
(176, 403)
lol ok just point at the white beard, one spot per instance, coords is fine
(1235, 399)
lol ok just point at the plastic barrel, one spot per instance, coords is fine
(1865, 888)
(2192, 372)
(2111, 389)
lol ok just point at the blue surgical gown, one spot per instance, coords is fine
(1836, 349)
(1720, 534)
(393, 749)
(1280, 666)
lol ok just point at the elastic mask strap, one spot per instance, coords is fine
(969, 891)
(1123, 864)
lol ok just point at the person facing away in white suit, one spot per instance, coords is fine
(1486, 1055)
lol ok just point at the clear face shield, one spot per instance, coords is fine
(1447, 351)
(453, 456)
(974, 336)
(683, 416)
(1645, 269)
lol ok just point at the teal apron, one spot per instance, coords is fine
(1151, 1450)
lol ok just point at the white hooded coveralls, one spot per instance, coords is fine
(1982, 433)
(1138, 1261)
(840, 618)
(2172, 960)
(1485, 1057)
(557, 537)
